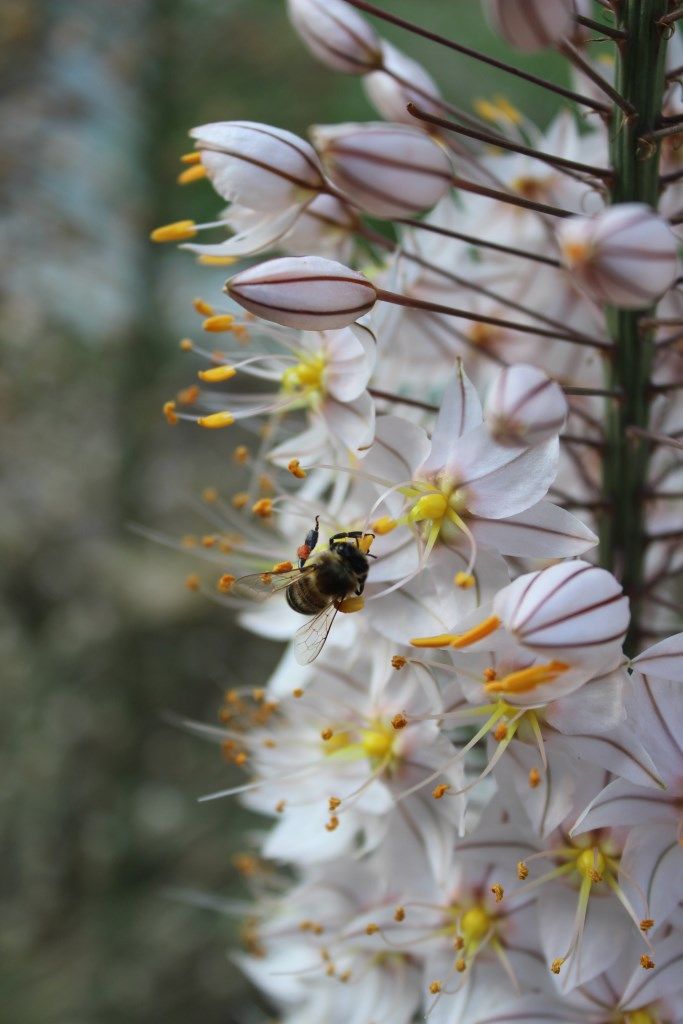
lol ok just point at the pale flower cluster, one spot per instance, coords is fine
(476, 797)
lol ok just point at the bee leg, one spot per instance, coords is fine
(304, 550)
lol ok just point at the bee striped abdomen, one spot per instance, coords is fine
(305, 597)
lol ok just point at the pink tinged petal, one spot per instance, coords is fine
(663, 660)
(597, 709)
(651, 871)
(618, 752)
(530, 25)
(351, 354)
(257, 165)
(647, 987)
(606, 931)
(573, 609)
(542, 531)
(498, 481)
(352, 422)
(336, 34)
(459, 412)
(621, 803)
(308, 292)
(255, 238)
(407, 81)
(550, 802)
(655, 710)
(524, 407)
(398, 449)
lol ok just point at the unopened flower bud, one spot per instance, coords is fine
(625, 256)
(571, 611)
(401, 81)
(388, 170)
(530, 25)
(257, 165)
(524, 407)
(336, 34)
(308, 292)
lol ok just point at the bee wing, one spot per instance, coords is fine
(259, 586)
(310, 638)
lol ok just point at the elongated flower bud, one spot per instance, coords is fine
(531, 25)
(400, 82)
(573, 611)
(257, 165)
(336, 34)
(524, 407)
(625, 255)
(308, 292)
(389, 170)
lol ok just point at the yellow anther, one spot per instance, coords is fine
(206, 260)
(458, 942)
(241, 758)
(351, 604)
(528, 678)
(534, 778)
(440, 791)
(646, 924)
(280, 806)
(465, 580)
(334, 803)
(193, 157)
(371, 929)
(283, 567)
(209, 541)
(193, 173)
(263, 508)
(327, 734)
(217, 323)
(522, 871)
(295, 469)
(241, 454)
(591, 864)
(489, 674)
(399, 721)
(398, 661)
(435, 987)
(500, 732)
(377, 743)
(202, 307)
(383, 525)
(482, 334)
(186, 345)
(458, 640)
(429, 506)
(556, 965)
(475, 924)
(217, 374)
(169, 412)
(646, 962)
(225, 583)
(400, 914)
(498, 892)
(365, 542)
(332, 824)
(460, 965)
(210, 495)
(240, 499)
(216, 420)
(298, 693)
(176, 232)
(192, 582)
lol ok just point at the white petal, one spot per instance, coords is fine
(542, 531)
(663, 660)
(352, 422)
(459, 412)
(500, 481)
(255, 238)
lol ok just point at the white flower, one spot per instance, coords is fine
(336, 34)
(531, 25)
(626, 255)
(400, 81)
(388, 170)
(524, 407)
(308, 292)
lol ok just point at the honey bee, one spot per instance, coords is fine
(317, 587)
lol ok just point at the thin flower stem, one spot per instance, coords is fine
(389, 396)
(654, 438)
(482, 243)
(435, 37)
(508, 197)
(661, 133)
(514, 147)
(669, 341)
(569, 389)
(588, 442)
(597, 26)
(573, 55)
(669, 19)
(434, 307)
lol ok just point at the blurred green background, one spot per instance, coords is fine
(98, 635)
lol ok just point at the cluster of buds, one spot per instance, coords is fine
(467, 494)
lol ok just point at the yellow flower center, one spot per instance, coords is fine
(638, 1017)
(306, 379)
(475, 923)
(378, 741)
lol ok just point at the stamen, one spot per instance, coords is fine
(527, 678)
(193, 173)
(217, 323)
(176, 232)
(216, 420)
(458, 640)
(217, 374)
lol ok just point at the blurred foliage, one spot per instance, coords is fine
(98, 636)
